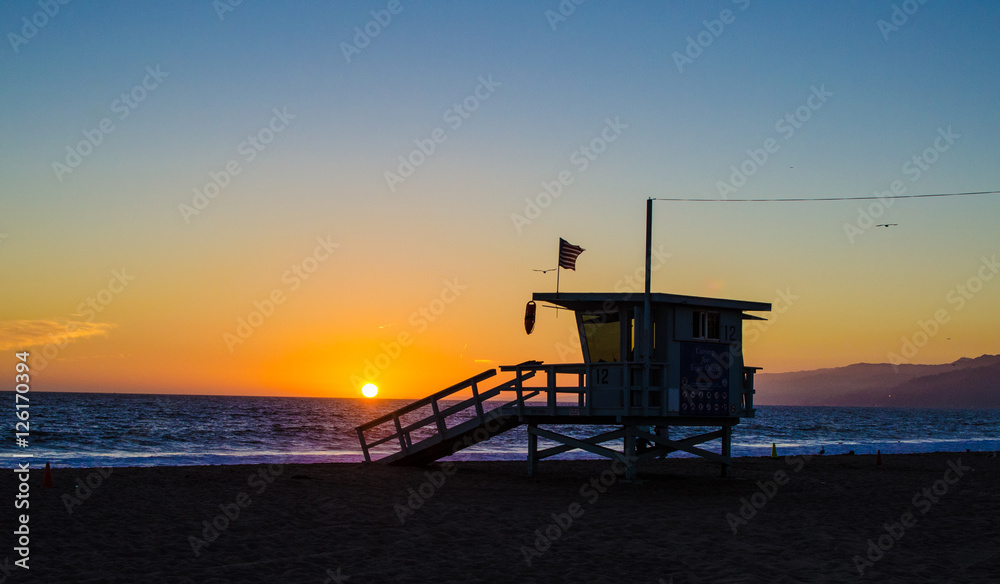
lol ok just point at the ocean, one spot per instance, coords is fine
(116, 430)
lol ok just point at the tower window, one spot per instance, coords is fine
(705, 325)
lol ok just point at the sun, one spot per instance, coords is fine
(369, 390)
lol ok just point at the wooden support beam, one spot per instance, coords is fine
(727, 440)
(685, 445)
(554, 450)
(575, 443)
(532, 450)
(630, 451)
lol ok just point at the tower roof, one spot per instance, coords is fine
(607, 301)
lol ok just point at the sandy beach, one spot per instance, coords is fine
(917, 518)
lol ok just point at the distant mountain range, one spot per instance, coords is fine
(966, 383)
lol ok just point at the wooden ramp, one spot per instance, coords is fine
(445, 429)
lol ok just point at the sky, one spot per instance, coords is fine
(295, 198)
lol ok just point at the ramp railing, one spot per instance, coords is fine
(437, 422)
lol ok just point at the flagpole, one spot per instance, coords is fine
(647, 304)
(558, 265)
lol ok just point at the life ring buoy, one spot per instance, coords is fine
(529, 317)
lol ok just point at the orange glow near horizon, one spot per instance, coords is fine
(412, 359)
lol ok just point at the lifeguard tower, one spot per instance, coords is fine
(650, 362)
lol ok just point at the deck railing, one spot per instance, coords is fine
(640, 386)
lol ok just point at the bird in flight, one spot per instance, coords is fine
(887, 224)
(544, 271)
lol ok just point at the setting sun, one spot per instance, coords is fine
(369, 390)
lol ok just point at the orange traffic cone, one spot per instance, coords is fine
(47, 477)
(878, 458)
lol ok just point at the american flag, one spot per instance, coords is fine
(568, 253)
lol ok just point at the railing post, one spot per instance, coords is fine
(646, 381)
(664, 392)
(551, 387)
(520, 392)
(479, 403)
(748, 391)
(364, 445)
(399, 431)
(627, 399)
(649, 387)
(437, 418)
(743, 392)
